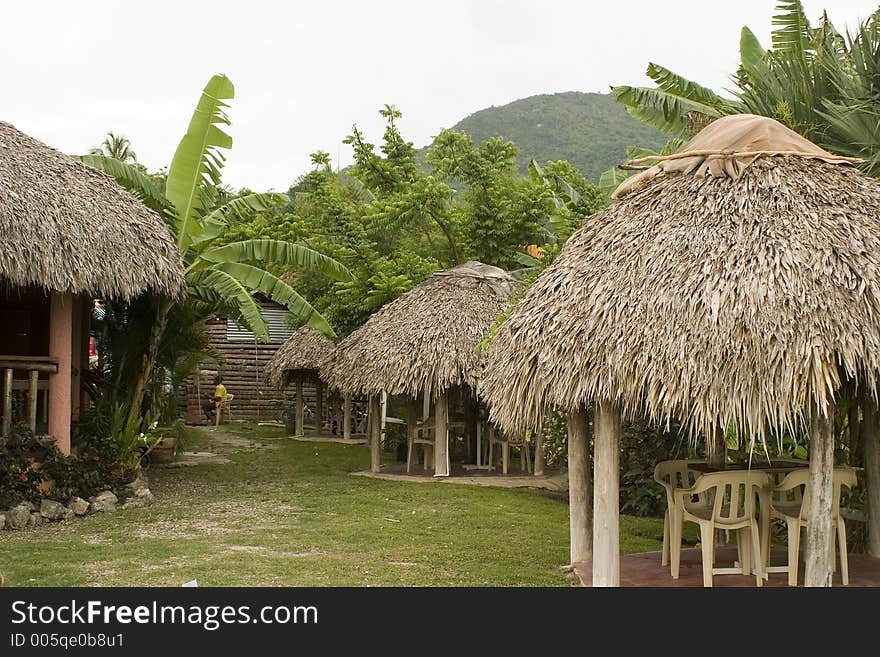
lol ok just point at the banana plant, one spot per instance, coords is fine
(223, 276)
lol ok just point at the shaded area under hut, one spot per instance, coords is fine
(422, 349)
(734, 283)
(70, 234)
(298, 362)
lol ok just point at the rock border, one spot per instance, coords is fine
(25, 514)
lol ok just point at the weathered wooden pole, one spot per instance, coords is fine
(412, 431)
(870, 440)
(337, 414)
(539, 452)
(33, 384)
(7, 400)
(441, 435)
(300, 410)
(346, 416)
(470, 424)
(319, 406)
(580, 492)
(375, 433)
(818, 566)
(608, 430)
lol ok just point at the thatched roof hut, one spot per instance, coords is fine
(69, 228)
(303, 353)
(422, 344)
(426, 338)
(739, 279)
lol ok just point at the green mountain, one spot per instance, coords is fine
(589, 130)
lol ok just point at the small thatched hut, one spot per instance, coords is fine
(69, 233)
(299, 360)
(424, 343)
(736, 280)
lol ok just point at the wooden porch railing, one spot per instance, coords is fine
(33, 365)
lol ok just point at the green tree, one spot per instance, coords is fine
(222, 276)
(118, 147)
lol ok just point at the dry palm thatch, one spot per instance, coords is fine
(708, 298)
(425, 339)
(69, 228)
(303, 353)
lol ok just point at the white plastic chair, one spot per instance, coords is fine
(791, 502)
(674, 475)
(733, 494)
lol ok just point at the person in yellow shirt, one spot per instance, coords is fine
(211, 405)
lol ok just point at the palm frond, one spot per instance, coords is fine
(198, 159)
(278, 252)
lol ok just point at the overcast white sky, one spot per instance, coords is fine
(304, 72)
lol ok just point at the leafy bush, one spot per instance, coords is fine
(32, 467)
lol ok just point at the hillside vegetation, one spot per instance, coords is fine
(591, 131)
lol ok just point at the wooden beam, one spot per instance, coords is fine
(539, 453)
(7, 401)
(300, 410)
(580, 494)
(33, 382)
(608, 430)
(346, 417)
(375, 433)
(36, 364)
(870, 441)
(441, 435)
(818, 565)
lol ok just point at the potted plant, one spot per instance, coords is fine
(161, 444)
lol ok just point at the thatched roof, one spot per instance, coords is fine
(426, 338)
(708, 298)
(302, 353)
(69, 228)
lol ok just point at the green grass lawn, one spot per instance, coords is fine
(287, 513)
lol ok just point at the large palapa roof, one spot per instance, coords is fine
(426, 338)
(69, 228)
(739, 282)
(305, 351)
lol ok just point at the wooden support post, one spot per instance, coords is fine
(319, 407)
(412, 422)
(470, 428)
(608, 430)
(716, 449)
(441, 435)
(33, 382)
(539, 452)
(7, 401)
(61, 347)
(375, 433)
(580, 493)
(818, 565)
(300, 410)
(870, 440)
(346, 417)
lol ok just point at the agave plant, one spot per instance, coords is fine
(221, 276)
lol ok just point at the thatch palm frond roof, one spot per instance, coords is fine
(425, 339)
(69, 228)
(708, 298)
(305, 351)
